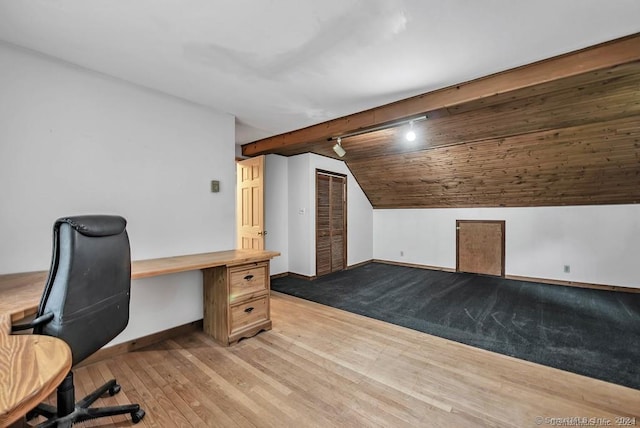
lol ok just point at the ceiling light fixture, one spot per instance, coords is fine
(340, 151)
(411, 134)
(338, 147)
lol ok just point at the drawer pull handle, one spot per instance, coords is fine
(249, 309)
(248, 277)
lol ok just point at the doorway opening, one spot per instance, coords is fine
(250, 203)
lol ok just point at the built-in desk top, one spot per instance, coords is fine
(166, 265)
(20, 292)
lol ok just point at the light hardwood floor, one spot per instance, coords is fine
(324, 367)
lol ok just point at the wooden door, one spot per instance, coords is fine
(480, 246)
(250, 203)
(331, 222)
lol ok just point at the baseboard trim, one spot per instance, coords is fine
(297, 275)
(414, 265)
(527, 278)
(141, 342)
(366, 262)
(279, 275)
(575, 284)
(311, 278)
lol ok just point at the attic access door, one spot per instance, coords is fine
(331, 222)
(480, 246)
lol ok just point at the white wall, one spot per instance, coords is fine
(73, 142)
(299, 210)
(302, 210)
(276, 209)
(600, 243)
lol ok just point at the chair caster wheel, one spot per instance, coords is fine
(137, 416)
(114, 389)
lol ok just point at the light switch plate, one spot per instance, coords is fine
(215, 186)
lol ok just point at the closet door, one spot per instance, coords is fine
(331, 222)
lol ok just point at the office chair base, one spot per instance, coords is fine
(69, 412)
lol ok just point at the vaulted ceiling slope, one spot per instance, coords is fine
(562, 132)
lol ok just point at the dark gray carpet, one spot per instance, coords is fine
(590, 332)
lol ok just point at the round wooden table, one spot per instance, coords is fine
(31, 367)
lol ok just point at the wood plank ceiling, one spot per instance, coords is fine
(567, 141)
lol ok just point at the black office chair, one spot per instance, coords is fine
(86, 304)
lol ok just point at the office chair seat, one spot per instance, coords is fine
(86, 304)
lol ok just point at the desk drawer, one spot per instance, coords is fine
(248, 279)
(249, 313)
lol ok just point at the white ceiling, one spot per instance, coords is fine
(280, 65)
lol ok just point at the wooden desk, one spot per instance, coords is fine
(20, 292)
(31, 367)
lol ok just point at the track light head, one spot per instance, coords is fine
(410, 135)
(340, 151)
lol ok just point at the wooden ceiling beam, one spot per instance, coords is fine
(616, 52)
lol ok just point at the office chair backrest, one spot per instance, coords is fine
(89, 281)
